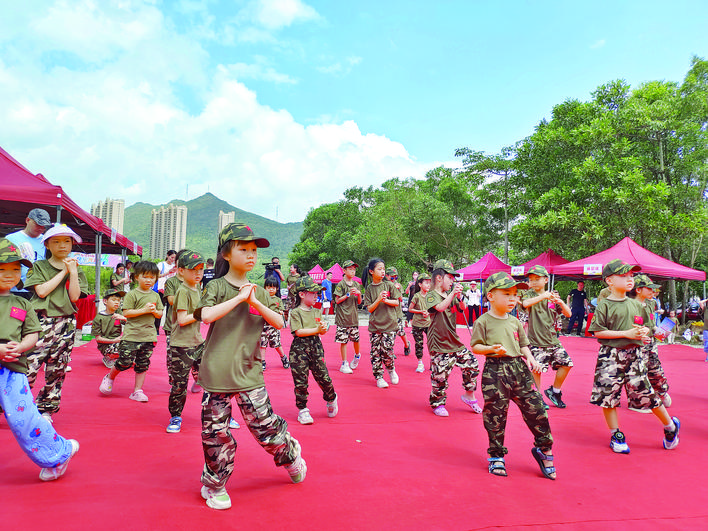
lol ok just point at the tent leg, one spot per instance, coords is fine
(58, 214)
(98, 270)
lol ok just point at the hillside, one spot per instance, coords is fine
(202, 223)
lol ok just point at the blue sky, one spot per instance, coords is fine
(283, 104)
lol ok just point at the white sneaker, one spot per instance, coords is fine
(68, 368)
(667, 400)
(138, 396)
(381, 383)
(344, 368)
(304, 417)
(50, 474)
(420, 367)
(233, 425)
(394, 376)
(332, 408)
(106, 386)
(298, 468)
(216, 498)
(355, 361)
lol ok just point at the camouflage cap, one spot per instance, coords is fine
(391, 271)
(446, 266)
(242, 233)
(424, 276)
(349, 263)
(305, 283)
(190, 260)
(538, 270)
(10, 253)
(618, 267)
(502, 280)
(643, 281)
(113, 292)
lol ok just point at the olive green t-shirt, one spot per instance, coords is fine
(17, 320)
(648, 309)
(418, 302)
(190, 335)
(231, 361)
(604, 293)
(142, 327)
(290, 281)
(385, 317)
(489, 330)
(57, 303)
(275, 303)
(542, 318)
(300, 318)
(106, 325)
(346, 313)
(172, 284)
(399, 308)
(616, 315)
(116, 277)
(442, 334)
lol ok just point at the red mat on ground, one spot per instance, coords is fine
(385, 462)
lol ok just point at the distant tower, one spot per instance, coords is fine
(168, 230)
(225, 218)
(112, 212)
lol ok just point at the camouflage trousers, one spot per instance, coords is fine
(270, 337)
(307, 354)
(55, 354)
(382, 352)
(417, 332)
(134, 354)
(182, 360)
(110, 353)
(655, 371)
(219, 445)
(622, 367)
(401, 330)
(507, 379)
(441, 365)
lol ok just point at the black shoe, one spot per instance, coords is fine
(407, 350)
(555, 398)
(263, 362)
(286, 363)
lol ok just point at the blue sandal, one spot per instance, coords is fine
(497, 467)
(540, 457)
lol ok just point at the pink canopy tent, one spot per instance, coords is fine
(317, 273)
(631, 252)
(483, 268)
(338, 274)
(550, 260)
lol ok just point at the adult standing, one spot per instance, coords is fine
(209, 272)
(473, 299)
(578, 307)
(327, 294)
(29, 242)
(273, 270)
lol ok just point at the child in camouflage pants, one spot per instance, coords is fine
(307, 352)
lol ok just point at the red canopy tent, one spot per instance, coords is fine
(550, 260)
(483, 268)
(631, 252)
(317, 273)
(338, 274)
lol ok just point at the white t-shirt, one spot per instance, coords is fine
(164, 267)
(473, 297)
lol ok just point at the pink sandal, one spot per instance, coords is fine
(472, 403)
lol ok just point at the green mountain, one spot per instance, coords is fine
(202, 224)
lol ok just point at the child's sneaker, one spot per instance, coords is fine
(671, 438)
(667, 400)
(175, 425)
(420, 367)
(407, 350)
(216, 498)
(381, 383)
(394, 376)
(106, 386)
(618, 443)
(138, 396)
(332, 408)
(355, 361)
(304, 417)
(50, 474)
(555, 398)
(298, 468)
(233, 425)
(440, 411)
(345, 369)
(286, 362)
(263, 362)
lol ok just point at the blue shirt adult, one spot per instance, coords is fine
(327, 291)
(29, 241)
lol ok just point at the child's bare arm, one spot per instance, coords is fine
(531, 362)
(185, 318)
(44, 289)
(209, 314)
(489, 350)
(273, 318)
(535, 300)
(636, 332)
(12, 350)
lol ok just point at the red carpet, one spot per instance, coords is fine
(385, 462)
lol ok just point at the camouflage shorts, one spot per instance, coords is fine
(655, 371)
(345, 334)
(556, 357)
(110, 353)
(270, 337)
(617, 368)
(134, 352)
(401, 331)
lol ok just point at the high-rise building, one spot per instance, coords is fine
(111, 211)
(225, 218)
(168, 230)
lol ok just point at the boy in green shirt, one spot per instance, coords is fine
(107, 327)
(507, 376)
(619, 327)
(544, 344)
(347, 295)
(421, 317)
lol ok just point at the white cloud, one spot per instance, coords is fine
(340, 69)
(597, 44)
(116, 124)
(277, 14)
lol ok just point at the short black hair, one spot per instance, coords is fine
(271, 281)
(145, 267)
(112, 295)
